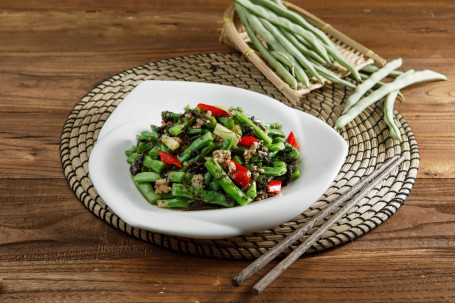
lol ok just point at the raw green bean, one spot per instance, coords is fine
(291, 48)
(370, 82)
(258, 131)
(406, 80)
(226, 183)
(304, 49)
(331, 76)
(379, 84)
(275, 44)
(146, 177)
(283, 22)
(283, 58)
(372, 69)
(296, 18)
(335, 53)
(197, 144)
(388, 115)
(331, 49)
(279, 68)
(147, 191)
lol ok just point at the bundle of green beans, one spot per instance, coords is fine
(297, 50)
(363, 96)
(211, 157)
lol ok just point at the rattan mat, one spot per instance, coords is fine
(368, 138)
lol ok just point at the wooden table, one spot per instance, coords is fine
(52, 249)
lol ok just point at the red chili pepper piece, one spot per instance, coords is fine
(216, 111)
(169, 159)
(291, 140)
(274, 186)
(241, 175)
(247, 140)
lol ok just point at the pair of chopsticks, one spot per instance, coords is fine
(354, 195)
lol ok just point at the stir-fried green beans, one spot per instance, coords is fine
(147, 191)
(226, 183)
(211, 166)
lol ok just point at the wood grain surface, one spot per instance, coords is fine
(52, 249)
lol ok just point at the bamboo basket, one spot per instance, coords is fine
(233, 34)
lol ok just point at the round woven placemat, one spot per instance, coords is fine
(368, 138)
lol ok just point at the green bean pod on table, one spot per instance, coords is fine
(200, 165)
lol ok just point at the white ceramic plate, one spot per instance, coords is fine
(323, 152)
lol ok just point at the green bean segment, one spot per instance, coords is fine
(147, 191)
(226, 183)
(146, 177)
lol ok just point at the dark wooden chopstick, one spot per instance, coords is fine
(362, 188)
